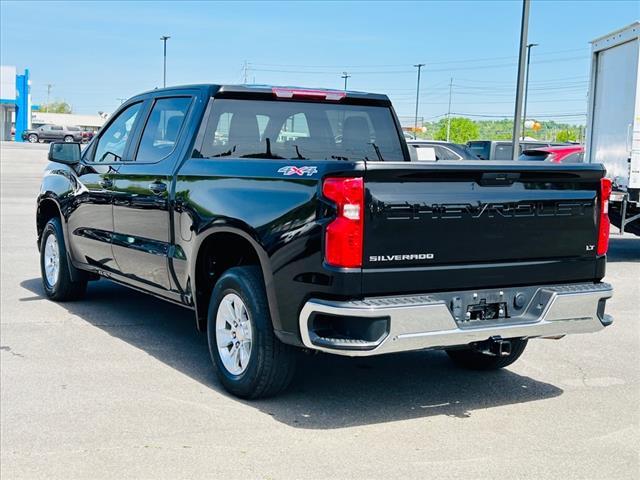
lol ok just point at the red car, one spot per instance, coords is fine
(560, 154)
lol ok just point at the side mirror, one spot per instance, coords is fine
(64, 152)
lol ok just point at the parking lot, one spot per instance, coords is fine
(120, 385)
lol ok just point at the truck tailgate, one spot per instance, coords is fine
(476, 224)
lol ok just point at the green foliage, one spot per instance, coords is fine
(465, 129)
(462, 130)
(56, 107)
(567, 135)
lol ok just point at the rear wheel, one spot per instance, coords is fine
(250, 361)
(475, 360)
(68, 139)
(33, 138)
(56, 278)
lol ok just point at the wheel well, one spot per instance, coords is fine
(47, 209)
(218, 253)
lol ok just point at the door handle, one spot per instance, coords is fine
(106, 183)
(158, 187)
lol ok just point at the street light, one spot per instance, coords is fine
(517, 116)
(526, 88)
(415, 125)
(164, 39)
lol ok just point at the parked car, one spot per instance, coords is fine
(87, 135)
(502, 149)
(346, 247)
(51, 133)
(564, 154)
(435, 150)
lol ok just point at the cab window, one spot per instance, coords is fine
(113, 141)
(162, 129)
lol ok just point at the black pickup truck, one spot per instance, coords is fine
(290, 218)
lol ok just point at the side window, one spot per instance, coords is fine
(113, 140)
(161, 131)
(56, 127)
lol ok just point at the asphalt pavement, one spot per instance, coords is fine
(120, 385)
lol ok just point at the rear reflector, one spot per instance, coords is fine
(334, 95)
(604, 224)
(343, 237)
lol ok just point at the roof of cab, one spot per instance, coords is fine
(263, 89)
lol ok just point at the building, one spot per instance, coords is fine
(17, 112)
(15, 102)
(86, 122)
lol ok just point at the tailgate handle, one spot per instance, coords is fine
(497, 179)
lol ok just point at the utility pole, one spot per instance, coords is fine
(526, 87)
(48, 94)
(245, 71)
(345, 76)
(449, 111)
(517, 116)
(164, 39)
(415, 125)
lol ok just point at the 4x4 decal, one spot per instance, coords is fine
(300, 171)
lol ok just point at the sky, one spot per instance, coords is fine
(94, 54)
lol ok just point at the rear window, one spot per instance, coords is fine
(480, 149)
(300, 130)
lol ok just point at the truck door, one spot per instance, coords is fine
(90, 222)
(141, 214)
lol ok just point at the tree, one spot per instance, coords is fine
(566, 135)
(56, 107)
(462, 130)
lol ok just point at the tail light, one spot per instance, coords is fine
(604, 223)
(343, 237)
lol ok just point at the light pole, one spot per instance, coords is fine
(164, 39)
(526, 88)
(517, 117)
(345, 76)
(449, 110)
(415, 125)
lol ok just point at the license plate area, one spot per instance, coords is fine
(486, 311)
(490, 307)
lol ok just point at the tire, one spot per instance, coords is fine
(32, 138)
(57, 286)
(68, 139)
(270, 364)
(473, 360)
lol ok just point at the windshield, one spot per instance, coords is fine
(300, 130)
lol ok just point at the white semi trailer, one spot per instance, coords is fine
(613, 120)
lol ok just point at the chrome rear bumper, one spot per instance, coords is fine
(425, 321)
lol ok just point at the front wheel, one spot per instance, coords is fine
(56, 278)
(474, 360)
(250, 361)
(68, 139)
(33, 138)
